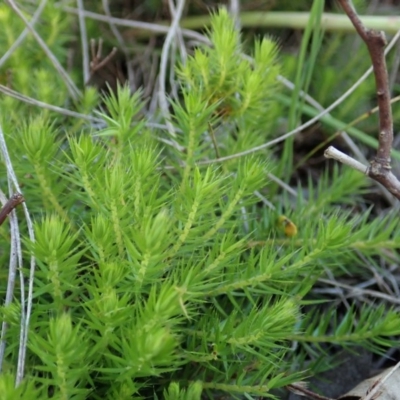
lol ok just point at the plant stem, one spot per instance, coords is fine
(276, 19)
(299, 20)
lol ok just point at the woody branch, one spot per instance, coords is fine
(379, 168)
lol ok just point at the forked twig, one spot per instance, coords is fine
(379, 168)
(98, 61)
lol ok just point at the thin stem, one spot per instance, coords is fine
(171, 35)
(270, 19)
(84, 42)
(24, 34)
(73, 90)
(29, 100)
(25, 313)
(139, 25)
(300, 388)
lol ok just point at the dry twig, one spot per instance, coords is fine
(98, 61)
(24, 34)
(73, 90)
(16, 264)
(15, 199)
(84, 42)
(300, 389)
(379, 168)
(171, 35)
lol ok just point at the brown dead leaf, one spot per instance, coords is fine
(385, 386)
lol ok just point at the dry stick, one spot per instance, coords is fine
(37, 103)
(24, 34)
(162, 96)
(157, 28)
(379, 169)
(234, 11)
(122, 46)
(73, 90)
(105, 61)
(332, 152)
(179, 42)
(343, 134)
(356, 291)
(16, 199)
(8, 207)
(298, 388)
(84, 42)
(64, 111)
(97, 62)
(25, 313)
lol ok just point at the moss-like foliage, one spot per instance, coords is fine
(159, 272)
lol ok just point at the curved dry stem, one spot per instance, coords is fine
(162, 96)
(24, 33)
(73, 90)
(147, 26)
(84, 42)
(16, 260)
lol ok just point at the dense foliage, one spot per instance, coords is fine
(161, 271)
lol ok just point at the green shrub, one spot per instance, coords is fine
(159, 272)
